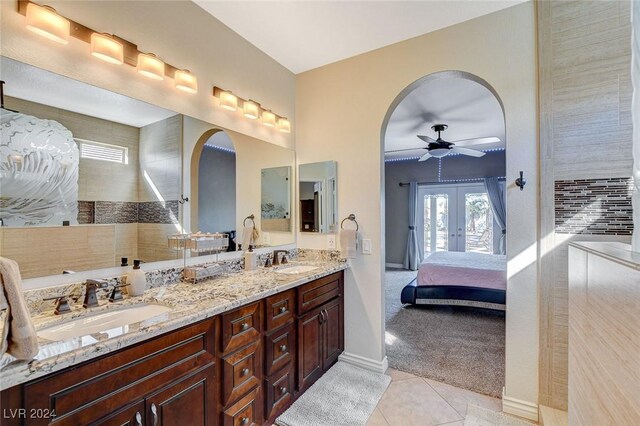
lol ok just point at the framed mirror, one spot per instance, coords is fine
(317, 189)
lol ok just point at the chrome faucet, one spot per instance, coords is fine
(90, 297)
(276, 259)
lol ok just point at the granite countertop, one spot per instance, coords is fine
(190, 303)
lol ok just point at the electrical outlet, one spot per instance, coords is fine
(366, 246)
(331, 241)
(266, 238)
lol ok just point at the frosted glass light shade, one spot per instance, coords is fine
(105, 47)
(44, 21)
(228, 101)
(251, 109)
(150, 66)
(284, 125)
(439, 152)
(268, 119)
(186, 81)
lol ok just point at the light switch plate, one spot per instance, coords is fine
(366, 246)
(331, 241)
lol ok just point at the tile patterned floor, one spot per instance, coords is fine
(415, 401)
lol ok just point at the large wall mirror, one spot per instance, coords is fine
(317, 190)
(88, 176)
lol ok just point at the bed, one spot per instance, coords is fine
(462, 279)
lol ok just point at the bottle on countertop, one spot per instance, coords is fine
(124, 261)
(136, 280)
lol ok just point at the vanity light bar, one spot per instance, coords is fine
(46, 22)
(251, 109)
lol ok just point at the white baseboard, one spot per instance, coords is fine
(517, 407)
(394, 265)
(366, 363)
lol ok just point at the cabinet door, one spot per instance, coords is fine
(132, 415)
(333, 344)
(190, 401)
(310, 339)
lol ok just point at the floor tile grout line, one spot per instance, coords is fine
(382, 414)
(464, 416)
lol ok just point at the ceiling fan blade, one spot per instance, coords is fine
(427, 139)
(425, 157)
(405, 150)
(476, 141)
(467, 151)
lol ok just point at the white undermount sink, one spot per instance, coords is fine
(295, 269)
(107, 322)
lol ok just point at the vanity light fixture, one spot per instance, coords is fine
(251, 109)
(228, 100)
(186, 81)
(45, 21)
(107, 48)
(150, 66)
(268, 118)
(284, 125)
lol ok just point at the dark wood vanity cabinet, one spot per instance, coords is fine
(241, 368)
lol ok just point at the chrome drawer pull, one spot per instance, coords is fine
(138, 418)
(244, 420)
(154, 411)
(283, 309)
(283, 390)
(244, 326)
(244, 372)
(283, 348)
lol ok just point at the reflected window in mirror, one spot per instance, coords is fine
(275, 201)
(318, 183)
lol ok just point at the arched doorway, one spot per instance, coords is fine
(444, 331)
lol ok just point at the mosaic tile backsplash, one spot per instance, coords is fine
(107, 212)
(594, 206)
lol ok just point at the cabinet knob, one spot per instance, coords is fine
(154, 412)
(283, 309)
(283, 390)
(138, 418)
(283, 348)
(244, 372)
(244, 326)
(244, 420)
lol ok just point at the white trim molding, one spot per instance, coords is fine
(394, 265)
(517, 407)
(366, 363)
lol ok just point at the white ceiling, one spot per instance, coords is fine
(33, 84)
(468, 108)
(302, 35)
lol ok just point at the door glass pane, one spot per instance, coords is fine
(436, 223)
(478, 223)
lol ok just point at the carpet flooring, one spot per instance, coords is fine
(461, 346)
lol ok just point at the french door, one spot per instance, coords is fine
(455, 218)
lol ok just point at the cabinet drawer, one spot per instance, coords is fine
(82, 394)
(318, 292)
(278, 347)
(246, 412)
(241, 327)
(241, 371)
(279, 309)
(279, 392)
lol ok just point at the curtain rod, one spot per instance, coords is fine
(445, 182)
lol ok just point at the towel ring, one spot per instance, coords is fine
(251, 218)
(351, 217)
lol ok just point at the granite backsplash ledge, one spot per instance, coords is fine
(160, 277)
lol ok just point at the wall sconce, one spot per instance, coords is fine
(150, 66)
(105, 47)
(520, 182)
(186, 81)
(268, 118)
(44, 20)
(251, 109)
(228, 101)
(284, 125)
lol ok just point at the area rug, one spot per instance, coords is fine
(460, 346)
(344, 396)
(478, 416)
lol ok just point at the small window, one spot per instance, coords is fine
(102, 151)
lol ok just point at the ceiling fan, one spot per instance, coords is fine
(439, 148)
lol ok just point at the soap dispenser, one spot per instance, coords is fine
(250, 259)
(136, 280)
